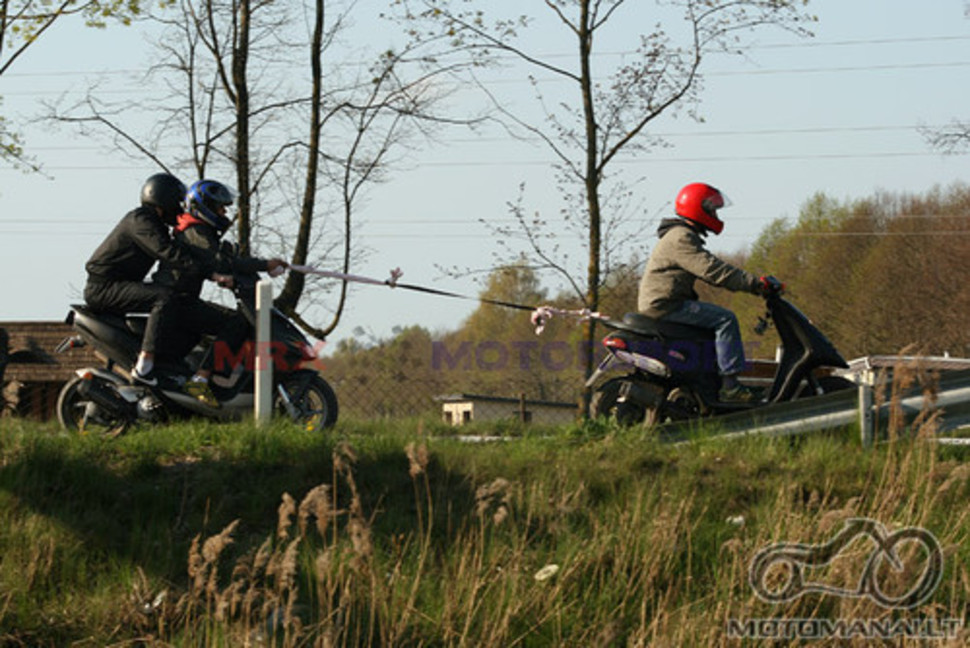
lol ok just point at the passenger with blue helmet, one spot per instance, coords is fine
(199, 231)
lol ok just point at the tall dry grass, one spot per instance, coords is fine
(548, 558)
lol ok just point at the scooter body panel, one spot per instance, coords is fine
(118, 340)
(683, 360)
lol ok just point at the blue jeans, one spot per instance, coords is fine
(727, 333)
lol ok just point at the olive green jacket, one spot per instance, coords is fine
(676, 262)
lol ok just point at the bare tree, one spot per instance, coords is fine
(249, 91)
(24, 22)
(954, 138)
(610, 110)
(951, 139)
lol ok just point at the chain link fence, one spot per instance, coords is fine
(458, 382)
(381, 396)
(418, 376)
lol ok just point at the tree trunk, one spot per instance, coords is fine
(4, 359)
(592, 183)
(295, 281)
(240, 63)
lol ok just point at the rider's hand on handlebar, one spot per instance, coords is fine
(769, 285)
(224, 280)
(276, 267)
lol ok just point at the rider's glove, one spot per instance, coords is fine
(768, 286)
(276, 267)
(224, 280)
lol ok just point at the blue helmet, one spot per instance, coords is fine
(204, 199)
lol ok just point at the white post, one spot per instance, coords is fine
(264, 356)
(866, 423)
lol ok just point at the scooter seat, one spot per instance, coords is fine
(132, 322)
(651, 327)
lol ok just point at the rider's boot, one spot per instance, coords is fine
(732, 391)
(200, 390)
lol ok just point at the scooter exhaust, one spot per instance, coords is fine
(632, 391)
(96, 391)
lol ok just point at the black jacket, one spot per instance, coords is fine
(211, 254)
(131, 249)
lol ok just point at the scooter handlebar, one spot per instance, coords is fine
(771, 286)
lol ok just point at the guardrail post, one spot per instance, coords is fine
(866, 423)
(264, 356)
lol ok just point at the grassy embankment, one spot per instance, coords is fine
(381, 534)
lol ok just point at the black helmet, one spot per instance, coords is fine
(204, 200)
(165, 191)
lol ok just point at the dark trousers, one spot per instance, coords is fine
(230, 328)
(122, 297)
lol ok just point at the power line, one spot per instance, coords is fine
(847, 68)
(48, 235)
(695, 160)
(860, 234)
(458, 222)
(673, 134)
(48, 221)
(867, 42)
(651, 160)
(803, 44)
(525, 79)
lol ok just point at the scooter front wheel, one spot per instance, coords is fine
(311, 403)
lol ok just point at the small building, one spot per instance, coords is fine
(458, 409)
(31, 372)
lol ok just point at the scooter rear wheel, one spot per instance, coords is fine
(682, 405)
(79, 415)
(606, 403)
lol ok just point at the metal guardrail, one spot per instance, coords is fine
(951, 398)
(838, 409)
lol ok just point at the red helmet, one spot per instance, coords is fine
(699, 202)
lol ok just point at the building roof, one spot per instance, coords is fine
(32, 356)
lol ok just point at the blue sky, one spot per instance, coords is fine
(837, 114)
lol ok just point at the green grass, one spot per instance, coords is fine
(393, 534)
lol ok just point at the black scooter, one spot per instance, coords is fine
(103, 400)
(658, 372)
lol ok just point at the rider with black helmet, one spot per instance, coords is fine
(199, 230)
(117, 269)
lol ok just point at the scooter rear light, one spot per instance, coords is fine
(614, 343)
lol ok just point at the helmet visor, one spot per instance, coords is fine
(716, 202)
(219, 195)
